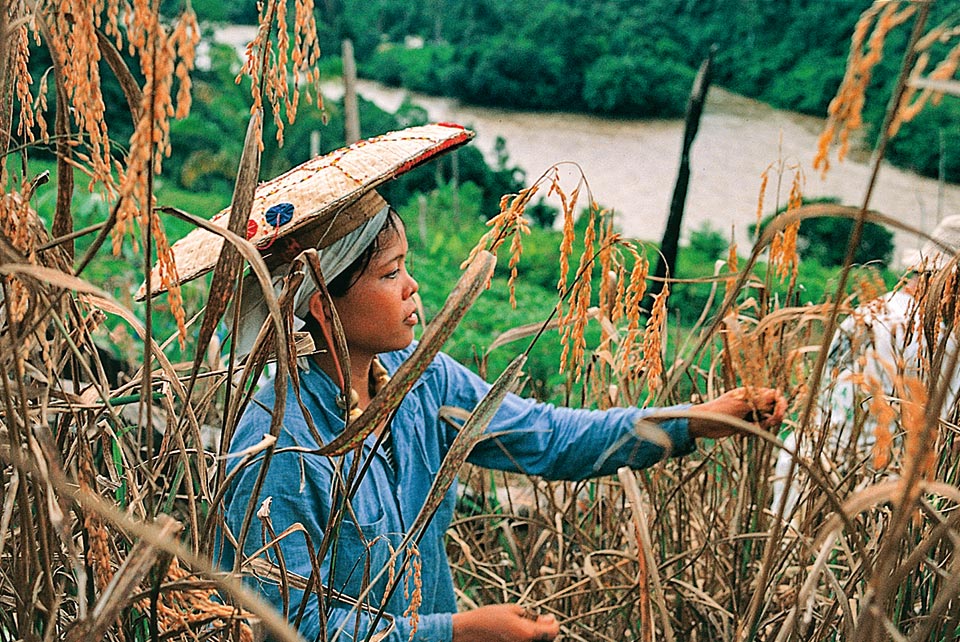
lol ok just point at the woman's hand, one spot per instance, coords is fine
(503, 623)
(764, 406)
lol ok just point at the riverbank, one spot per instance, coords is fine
(631, 165)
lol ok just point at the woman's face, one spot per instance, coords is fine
(378, 313)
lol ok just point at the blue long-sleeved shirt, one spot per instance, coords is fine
(534, 438)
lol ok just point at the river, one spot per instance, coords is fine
(631, 165)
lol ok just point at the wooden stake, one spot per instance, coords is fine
(351, 111)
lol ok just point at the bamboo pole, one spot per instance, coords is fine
(351, 110)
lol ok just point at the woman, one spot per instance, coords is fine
(373, 297)
(881, 345)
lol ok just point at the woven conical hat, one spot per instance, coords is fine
(318, 202)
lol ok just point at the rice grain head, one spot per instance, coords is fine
(845, 113)
(911, 103)
(913, 418)
(868, 286)
(653, 342)
(275, 73)
(415, 596)
(764, 179)
(22, 82)
(98, 540)
(566, 249)
(185, 38)
(509, 222)
(182, 611)
(630, 351)
(783, 249)
(150, 143)
(521, 227)
(608, 247)
(733, 268)
(619, 278)
(883, 414)
(745, 352)
(74, 49)
(574, 324)
(15, 217)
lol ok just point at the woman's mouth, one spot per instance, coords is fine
(412, 319)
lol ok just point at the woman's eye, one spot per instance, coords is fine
(393, 274)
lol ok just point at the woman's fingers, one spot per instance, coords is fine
(779, 411)
(504, 623)
(546, 626)
(764, 406)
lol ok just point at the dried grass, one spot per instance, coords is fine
(89, 471)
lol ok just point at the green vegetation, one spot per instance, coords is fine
(615, 57)
(823, 239)
(608, 57)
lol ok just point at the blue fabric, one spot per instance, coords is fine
(555, 443)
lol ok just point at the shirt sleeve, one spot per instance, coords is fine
(296, 491)
(564, 443)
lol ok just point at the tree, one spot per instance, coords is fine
(636, 86)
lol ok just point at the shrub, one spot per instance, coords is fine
(824, 239)
(637, 85)
(709, 242)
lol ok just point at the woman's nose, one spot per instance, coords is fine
(412, 285)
